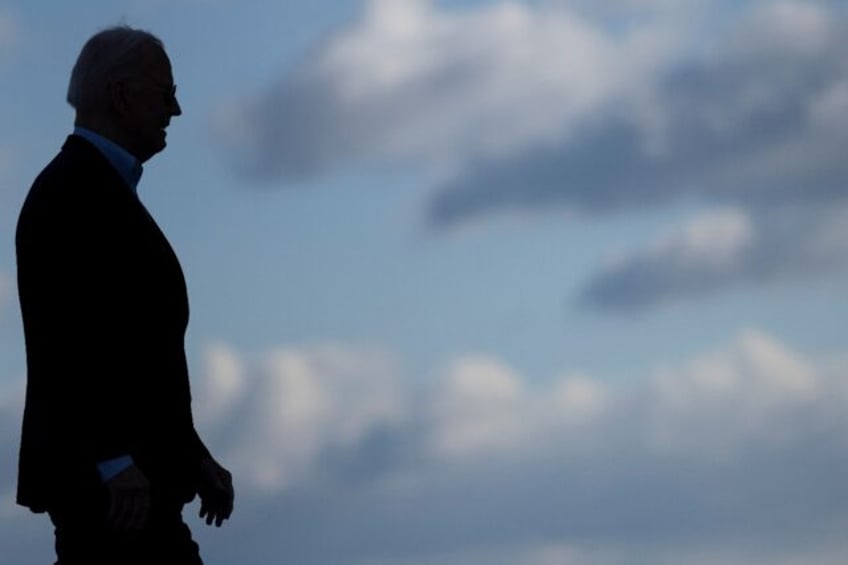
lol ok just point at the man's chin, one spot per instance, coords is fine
(152, 150)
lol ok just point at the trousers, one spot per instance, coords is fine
(83, 538)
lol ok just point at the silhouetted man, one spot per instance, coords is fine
(108, 446)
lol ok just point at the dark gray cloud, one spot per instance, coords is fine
(722, 249)
(757, 124)
(518, 108)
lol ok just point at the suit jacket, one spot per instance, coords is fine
(104, 308)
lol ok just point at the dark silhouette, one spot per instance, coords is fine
(108, 448)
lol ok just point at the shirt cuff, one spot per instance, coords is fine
(108, 469)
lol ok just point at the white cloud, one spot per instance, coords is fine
(11, 411)
(757, 124)
(296, 405)
(479, 407)
(736, 456)
(708, 461)
(411, 80)
(483, 407)
(714, 240)
(741, 125)
(223, 386)
(731, 398)
(590, 107)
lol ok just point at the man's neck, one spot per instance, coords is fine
(104, 127)
(124, 162)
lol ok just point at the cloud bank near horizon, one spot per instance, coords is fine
(718, 456)
(715, 459)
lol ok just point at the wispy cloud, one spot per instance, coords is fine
(721, 249)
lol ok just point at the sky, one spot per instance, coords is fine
(488, 282)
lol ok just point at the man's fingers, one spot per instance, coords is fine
(213, 511)
(121, 516)
(129, 500)
(216, 493)
(129, 512)
(140, 510)
(206, 511)
(114, 512)
(228, 493)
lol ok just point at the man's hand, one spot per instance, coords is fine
(129, 500)
(216, 492)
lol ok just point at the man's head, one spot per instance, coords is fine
(122, 87)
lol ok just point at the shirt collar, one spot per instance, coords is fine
(122, 160)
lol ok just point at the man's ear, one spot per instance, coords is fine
(116, 91)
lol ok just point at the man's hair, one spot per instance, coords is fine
(107, 55)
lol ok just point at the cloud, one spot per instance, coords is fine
(724, 248)
(587, 107)
(11, 409)
(748, 123)
(754, 126)
(482, 406)
(591, 554)
(413, 82)
(223, 385)
(737, 455)
(293, 407)
(524, 106)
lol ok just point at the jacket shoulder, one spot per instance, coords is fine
(73, 183)
(78, 161)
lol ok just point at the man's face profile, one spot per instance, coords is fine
(147, 104)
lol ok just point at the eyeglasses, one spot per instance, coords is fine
(169, 92)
